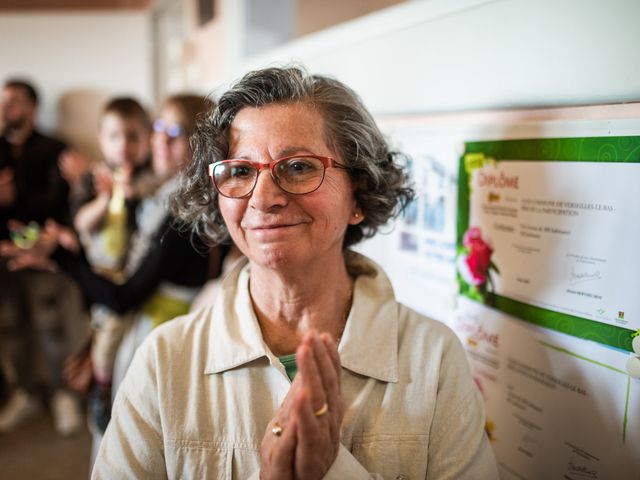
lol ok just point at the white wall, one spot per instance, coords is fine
(77, 61)
(464, 55)
(451, 55)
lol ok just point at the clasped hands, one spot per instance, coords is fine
(104, 178)
(37, 255)
(303, 439)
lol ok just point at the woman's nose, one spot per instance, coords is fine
(160, 137)
(267, 194)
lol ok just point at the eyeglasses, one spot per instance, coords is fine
(297, 174)
(173, 130)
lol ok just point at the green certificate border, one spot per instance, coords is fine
(593, 149)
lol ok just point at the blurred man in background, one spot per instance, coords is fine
(40, 312)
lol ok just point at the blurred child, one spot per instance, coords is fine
(109, 194)
(106, 201)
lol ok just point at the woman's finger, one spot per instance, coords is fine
(286, 405)
(309, 371)
(330, 376)
(316, 449)
(332, 348)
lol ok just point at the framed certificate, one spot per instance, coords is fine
(546, 232)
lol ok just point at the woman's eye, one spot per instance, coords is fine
(240, 171)
(298, 166)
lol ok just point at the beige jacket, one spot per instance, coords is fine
(201, 390)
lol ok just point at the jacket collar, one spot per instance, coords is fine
(235, 337)
(369, 344)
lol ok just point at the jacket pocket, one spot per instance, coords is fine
(393, 457)
(193, 459)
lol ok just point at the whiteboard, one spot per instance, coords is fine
(558, 406)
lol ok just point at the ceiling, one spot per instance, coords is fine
(21, 5)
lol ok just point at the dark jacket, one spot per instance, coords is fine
(41, 192)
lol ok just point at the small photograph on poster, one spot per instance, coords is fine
(420, 247)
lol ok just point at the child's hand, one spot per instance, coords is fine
(73, 166)
(127, 180)
(64, 236)
(102, 180)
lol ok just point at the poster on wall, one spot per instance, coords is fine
(545, 233)
(419, 251)
(545, 237)
(526, 248)
(557, 406)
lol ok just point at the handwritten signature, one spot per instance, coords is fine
(582, 277)
(581, 470)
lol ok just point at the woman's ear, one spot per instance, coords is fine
(356, 217)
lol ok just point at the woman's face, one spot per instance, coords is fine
(170, 152)
(273, 228)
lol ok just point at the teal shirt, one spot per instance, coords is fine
(290, 366)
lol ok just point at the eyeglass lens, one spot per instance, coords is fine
(172, 130)
(297, 175)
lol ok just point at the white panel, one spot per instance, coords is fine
(96, 55)
(445, 55)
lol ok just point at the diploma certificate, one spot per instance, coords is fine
(554, 240)
(563, 235)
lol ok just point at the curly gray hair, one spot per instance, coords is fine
(380, 183)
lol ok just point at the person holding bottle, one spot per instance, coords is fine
(105, 203)
(109, 193)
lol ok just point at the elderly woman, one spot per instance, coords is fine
(306, 366)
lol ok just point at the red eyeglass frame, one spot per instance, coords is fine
(327, 162)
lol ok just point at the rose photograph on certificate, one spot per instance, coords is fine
(475, 267)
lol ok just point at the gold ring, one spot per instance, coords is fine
(322, 410)
(277, 430)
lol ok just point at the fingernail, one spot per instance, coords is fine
(327, 339)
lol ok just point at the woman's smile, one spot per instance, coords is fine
(275, 230)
